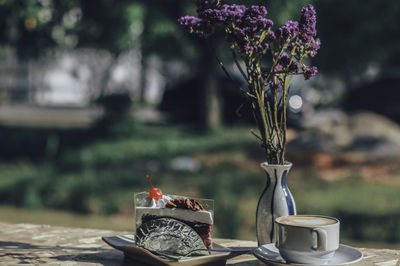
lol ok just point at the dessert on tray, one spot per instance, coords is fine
(172, 223)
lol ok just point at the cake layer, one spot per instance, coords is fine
(204, 217)
(203, 230)
(171, 236)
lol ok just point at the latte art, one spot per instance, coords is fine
(311, 221)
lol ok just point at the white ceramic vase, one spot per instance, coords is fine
(276, 200)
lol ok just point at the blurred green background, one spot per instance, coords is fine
(94, 95)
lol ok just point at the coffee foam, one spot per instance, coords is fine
(303, 220)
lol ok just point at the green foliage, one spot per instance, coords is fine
(368, 212)
(355, 36)
(349, 31)
(349, 195)
(89, 179)
(34, 26)
(101, 178)
(147, 144)
(282, 11)
(109, 25)
(161, 33)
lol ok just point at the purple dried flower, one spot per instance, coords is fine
(294, 67)
(250, 32)
(258, 11)
(309, 72)
(307, 25)
(260, 48)
(278, 68)
(233, 12)
(253, 14)
(314, 47)
(248, 48)
(196, 25)
(239, 32)
(291, 45)
(254, 19)
(274, 84)
(239, 36)
(287, 31)
(245, 26)
(271, 36)
(213, 15)
(285, 59)
(265, 23)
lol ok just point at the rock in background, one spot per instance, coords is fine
(336, 131)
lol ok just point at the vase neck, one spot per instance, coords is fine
(279, 167)
(277, 170)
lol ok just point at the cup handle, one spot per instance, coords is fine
(321, 239)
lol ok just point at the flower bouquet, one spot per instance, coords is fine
(270, 60)
(267, 57)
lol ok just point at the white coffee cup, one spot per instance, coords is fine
(307, 239)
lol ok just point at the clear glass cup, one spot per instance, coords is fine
(141, 200)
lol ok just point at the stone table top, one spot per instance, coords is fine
(53, 245)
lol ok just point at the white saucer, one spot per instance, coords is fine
(269, 254)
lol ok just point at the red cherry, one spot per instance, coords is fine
(155, 193)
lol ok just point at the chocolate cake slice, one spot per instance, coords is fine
(188, 211)
(170, 236)
(203, 229)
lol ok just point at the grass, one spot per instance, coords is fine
(96, 183)
(11, 214)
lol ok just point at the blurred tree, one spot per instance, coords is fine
(114, 26)
(34, 26)
(359, 36)
(31, 28)
(162, 35)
